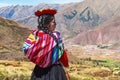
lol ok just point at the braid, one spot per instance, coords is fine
(43, 21)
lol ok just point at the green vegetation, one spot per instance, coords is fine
(91, 69)
(111, 64)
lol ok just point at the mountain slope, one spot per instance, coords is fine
(12, 36)
(107, 33)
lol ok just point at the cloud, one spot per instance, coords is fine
(4, 4)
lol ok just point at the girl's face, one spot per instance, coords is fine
(52, 25)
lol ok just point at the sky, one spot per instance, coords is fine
(34, 2)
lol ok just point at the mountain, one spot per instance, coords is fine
(73, 20)
(89, 14)
(23, 12)
(12, 36)
(107, 33)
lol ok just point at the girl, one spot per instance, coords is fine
(44, 47)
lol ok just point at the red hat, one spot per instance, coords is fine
(45, 11)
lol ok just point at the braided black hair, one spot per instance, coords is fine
(44, 21)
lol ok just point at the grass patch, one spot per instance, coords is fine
(21, 70)
(14, 70)
(111, 64)
(73, 78)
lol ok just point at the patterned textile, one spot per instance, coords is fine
(41, 48)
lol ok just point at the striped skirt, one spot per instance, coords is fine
(55, 72)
